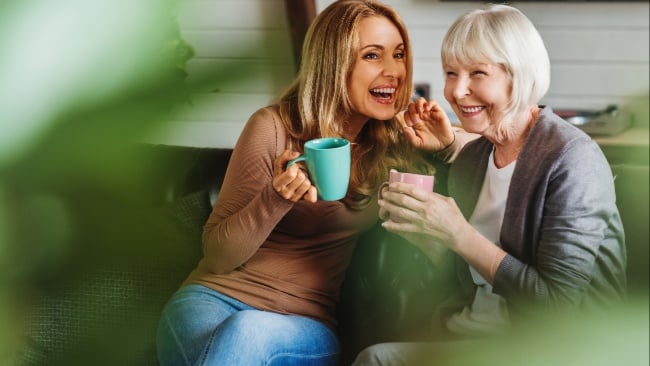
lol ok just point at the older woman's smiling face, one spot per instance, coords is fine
(379, 70)
(478, 93)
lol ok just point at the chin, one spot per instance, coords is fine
(384, 116)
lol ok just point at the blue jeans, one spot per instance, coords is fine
(200, 326)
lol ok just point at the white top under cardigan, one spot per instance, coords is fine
(488, 312)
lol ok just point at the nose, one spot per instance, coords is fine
(393, 68)
(460, 87)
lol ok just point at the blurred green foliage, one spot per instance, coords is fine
(83, 82)
(617, 337)
(87, 250)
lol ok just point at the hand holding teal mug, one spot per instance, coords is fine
(328, 163)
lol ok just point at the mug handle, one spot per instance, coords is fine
(381, 189)
(293, 161)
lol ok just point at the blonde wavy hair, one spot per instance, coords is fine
(317, 104)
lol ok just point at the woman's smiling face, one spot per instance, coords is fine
(478, 93)
(379, 70)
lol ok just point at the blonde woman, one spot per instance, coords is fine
(266, 290)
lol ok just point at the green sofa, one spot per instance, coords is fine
(100, 306)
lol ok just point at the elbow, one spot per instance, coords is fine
(216, 266)
(215, 258)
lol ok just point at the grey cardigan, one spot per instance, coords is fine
(561, 227)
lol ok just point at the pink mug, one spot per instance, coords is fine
(420, 180)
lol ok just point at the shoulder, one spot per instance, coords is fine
(552, 140)
(265, 119)
(564, 156)
(265, 128)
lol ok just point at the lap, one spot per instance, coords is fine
(411, 353)
(200, 326)
(188, 320)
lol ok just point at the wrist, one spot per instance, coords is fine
(453, 139)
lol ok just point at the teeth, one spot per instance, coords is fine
(383, 90)
(470, 109)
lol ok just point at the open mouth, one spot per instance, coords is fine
(386, 94)
(471, 109)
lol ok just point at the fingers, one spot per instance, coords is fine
(412, 137)
(437, 113)
(436, 217)
(398, 203)
(311, 195)
(414, 112)
(409, 115)
(280, 163)
(422, 110)
(383, 213)
(293, 182)
(406, 193)
(421, 105)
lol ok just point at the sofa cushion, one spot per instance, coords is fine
(106, 313)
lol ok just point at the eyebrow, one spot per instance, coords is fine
(380, 46)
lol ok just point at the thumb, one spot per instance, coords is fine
(412, 136)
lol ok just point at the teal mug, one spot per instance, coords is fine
(328, 163)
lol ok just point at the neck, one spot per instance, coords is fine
(507, 151)
(506, 154)
(352, 128)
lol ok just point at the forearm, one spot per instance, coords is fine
(229, 240)
(451, 151)
(480, 253)
(248, 208)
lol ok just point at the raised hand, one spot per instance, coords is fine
(427, 126)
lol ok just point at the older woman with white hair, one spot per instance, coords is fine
(531, 222)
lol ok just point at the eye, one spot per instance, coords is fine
(371, 56)
(400, 55)
(450, 74)
(479, 73)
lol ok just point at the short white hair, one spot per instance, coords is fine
(502, 35)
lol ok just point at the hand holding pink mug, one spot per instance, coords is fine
(422, 181)
(419, 180)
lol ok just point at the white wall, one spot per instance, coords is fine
(243, 60)
(599, 55)
(599, 51)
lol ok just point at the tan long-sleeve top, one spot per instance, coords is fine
(267, 251)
